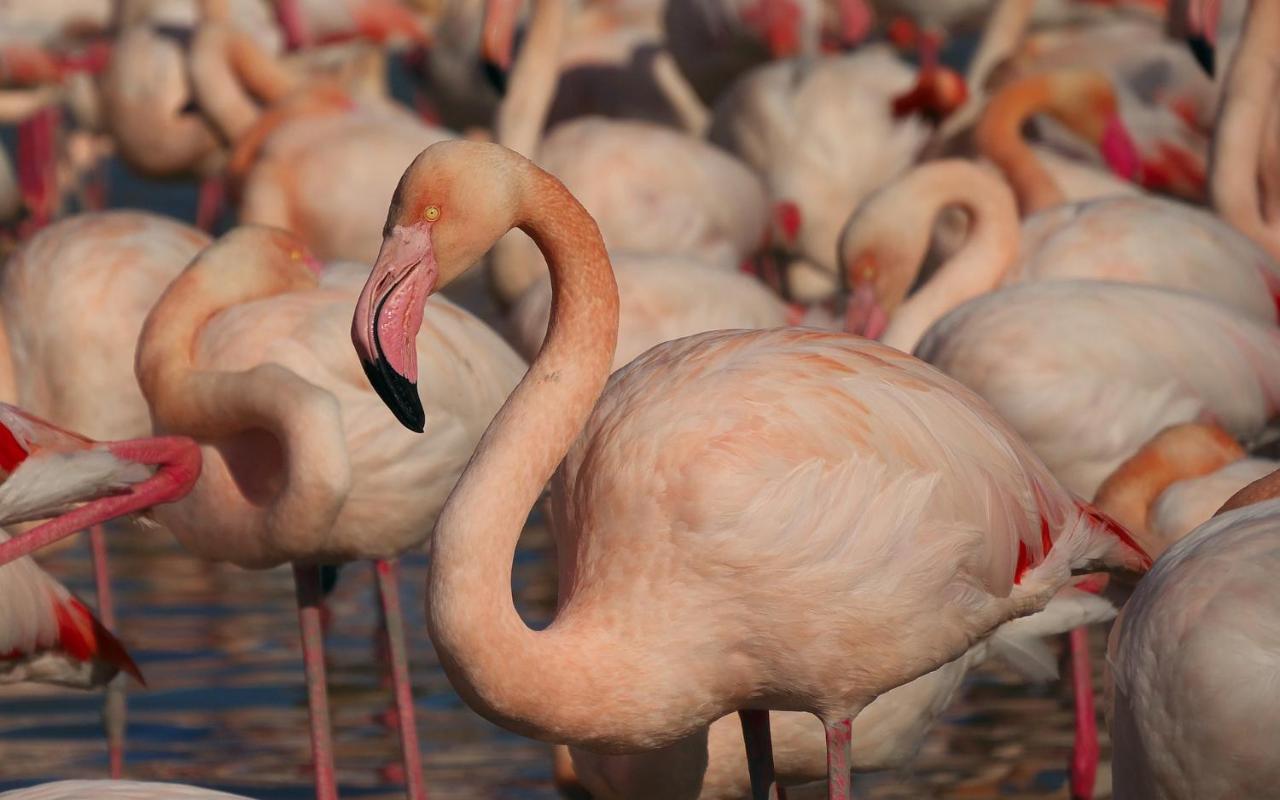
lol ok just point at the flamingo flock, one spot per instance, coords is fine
(841, 365)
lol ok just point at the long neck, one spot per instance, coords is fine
(999, 138)
(210, 406)
(232, 78)
(508, 672)
(978, 266)
(523, 112)
(1243, 122)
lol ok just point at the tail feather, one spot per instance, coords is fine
(82, 637)
(1131, 555)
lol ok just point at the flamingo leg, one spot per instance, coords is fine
(1084, 753)
(759, 742)
(209, 203)
(37, 166)
(307, 584)
(113, 710)
(839, 759)
(389, 590)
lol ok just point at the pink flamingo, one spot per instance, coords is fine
(242, 353)
(1177, 481)
(823, 134)
(47, 634)
(884, 244)
(1193, 661)
(72, 301)
(698, 201)
(677, 607)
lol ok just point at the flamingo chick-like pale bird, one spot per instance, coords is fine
(1194, 657)
(244, 353)
(784, 519)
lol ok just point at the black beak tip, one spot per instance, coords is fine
(1203, 52)
(400, 395)
(496, 76)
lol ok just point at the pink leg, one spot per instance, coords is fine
(839, 759)
(307, 583)
(37, 166)
(209, 202)
(755, 733)
(113, 712)
(389, 589)
(1084, 755)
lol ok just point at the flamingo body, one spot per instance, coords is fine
(74, 297)
(1194, 656)
(116, 790)
(1088, 371)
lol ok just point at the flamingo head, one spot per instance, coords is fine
(455, 200)
(865, 312)
(937, 93)
(1085, 101)
(47, 471)
(1196, 22)
(497, 39)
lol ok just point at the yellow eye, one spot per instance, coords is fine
(296, 255)
(432, 213)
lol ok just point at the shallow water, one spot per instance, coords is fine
(225, 707)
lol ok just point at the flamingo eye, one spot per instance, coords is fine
(431, 213)
(295, 255)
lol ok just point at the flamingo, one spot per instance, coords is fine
(288, 156)
(823, 134)
(1177, 481)
(1088, 371)
(697, 200)
(241, 353)
(46, 634)
(886, 735)
(1194, 658)
(677, 607)
(884, 245)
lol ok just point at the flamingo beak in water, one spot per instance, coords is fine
(1118, 149)
(389, 314)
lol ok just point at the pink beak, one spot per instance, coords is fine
(863, 313)
(1119, 150)
(388, 316)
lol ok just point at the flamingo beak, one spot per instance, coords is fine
(863, 313)
(1118, 149)
(389, 314)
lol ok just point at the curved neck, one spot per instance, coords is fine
(480, 637)
(1245, 118)
(232, 78)
(999, 139)
(522, 114)
(1176, 454)
(981, 262)
(212, 405)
